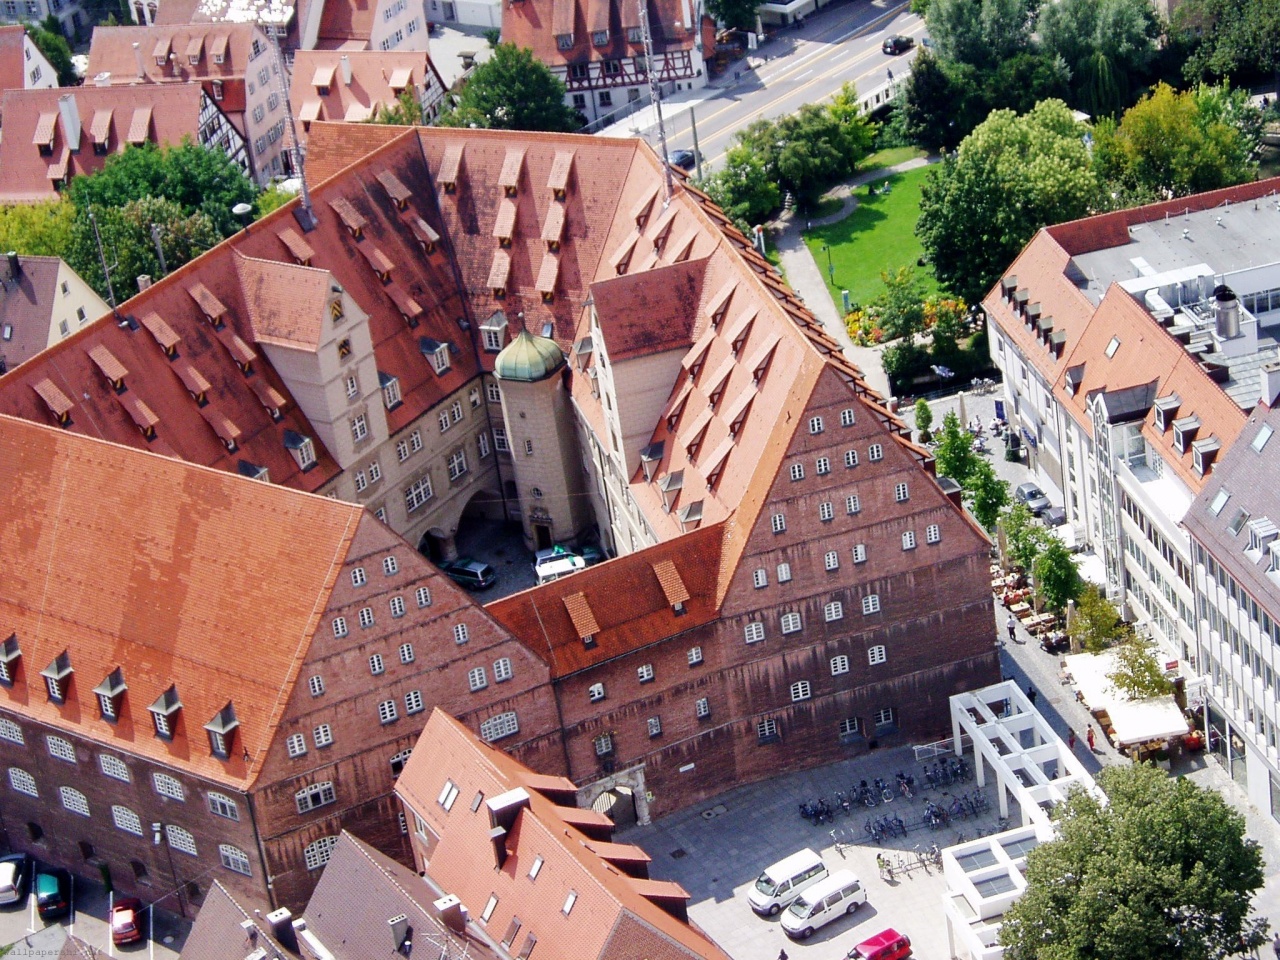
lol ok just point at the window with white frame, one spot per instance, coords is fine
(875, 452)
(455, 411)
(839, 665)
(387, 712)
(849, 726)
(767, 729)
(779, 523)
(797, 471)
(74, 800)
(126, 820)
(406, 653)
(876, 655)
(460, 633)
(353, 385)
(23, 782)
(340, 627)
(376, 664)
(846, 417)
(851, 458)
(296, 744)
(423, 597)
(801, 690)
(11, 731)
(871, 604)
(495, 728)
(760, 578)
(359, 427)
(655, 726)
(390, 566)
(391, 393)
(822, 466)
(477, 679)
(417, 493)
(413, 702)
(113, 767)
(528, 448)
(815, 424)
(833, 611)
(859, 553)
(223, 806)
(784, 572)
(316, 685)
(852, 504)
(317, 854)
(167, 786)
(415, 441)
(754, 631)
(358, 578)
(445, 422)
(375, 472)
(826, 511)
(396, 604)
(457, 464)
(884, 717)
(502, 670)
(694, 656)
(702, 708)
(909, 540)
(831, 560)
(60, 748)
(790, 622)
(315, 795)
(932, 533)
(595, 692)
(402, 450)
(500, 439)
(492, 393)
(366, 617)
(603, 744)
(900, 492)
(482, 444)
(644, 672)
(234, 859)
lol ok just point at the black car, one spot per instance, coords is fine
(15, 876)
(684, 159)
(53, 893)
(897, 44)
(470, 573)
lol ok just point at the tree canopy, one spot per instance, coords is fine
(986, 494)
(404, 111)
(1010, 177)
(1095, 623)
(734, 13)
(954, 455)
(1163, 870)
(1104, 44)
(1229, 38)
(513, 91)
(37, 229)
(1057, 578)
(49, 40)
(981, 33)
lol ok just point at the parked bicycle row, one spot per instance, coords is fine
(961, 807)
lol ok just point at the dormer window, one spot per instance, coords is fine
(57, 677)
(1184, 432)
(1262, 532)
(437, 353)
(1203, 453)
(164, 713)
(110, 694)
(633, 35)
(109, 367)
(564, 41)
(9, 657)
(302, 448)
(1166, 408)
(390, 390)
(600, 38)
(493, 332)
(221, 730)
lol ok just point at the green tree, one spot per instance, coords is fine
(1010, 177)
(128, 245)
(986, 494)
(1056, 576)
(1175, 144)
(49, 41)
(930, 96)
(1021, 81)
(924, 418)
(1229, 38)
(734, 13)
(194, 178)
(904, 360)
(1095, 623)
(1161, 870)
(404, 111)
(272, 198)
(744, 188)
(980, 32)
(37, 229)
(1138, 673)
(1104, 45)
(512, 91)
(954, 455)
(900, 306)
(1024, 539)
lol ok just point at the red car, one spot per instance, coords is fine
(126, 921)
(886, 945)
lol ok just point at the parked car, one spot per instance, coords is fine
(471, 574)
(126, 921)
(553, 568)
(593, 555)
(15, 875)
(53, 893)
(886, 945)
(840, 893)
(684, 159)
(897, 44)
(1030, 494)
(558, 552)
(1054, 517)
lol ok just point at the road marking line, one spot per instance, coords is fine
(805, 74)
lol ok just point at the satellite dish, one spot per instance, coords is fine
(242, 209)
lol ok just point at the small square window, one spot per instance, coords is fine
(909, 540)
(797, 471)
(851, 458)
(358, 578)
(389, 566)
(595, 692)
(860, 553)
(790, 623)
(695, 656)
(832, 560)
(848, 726)
(875, 452)
(603, 745)
(316, 685)
(296, 744)
(460, 633)
(702, 708)
(871, 604)
(413, 702)
(366, 617)
(323, 735)
(826, 511)
(760, 578)
(423, 597)
(852, 504)
(823, 466)
(815, 425)
(900, 493)
(502, 670)
(876, 655)
(655, 726)
(884, 717)
(406, 653)
(376, 666)
(800, 690)
(779, 523)
(340, 627)
(387, 712)
(754, 631)
(645, 672)
(767, 730)
(932, 533)
(477, 679)
(846, 417)
(397, 606)
(833, 611)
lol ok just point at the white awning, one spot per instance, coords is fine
(1134, 721)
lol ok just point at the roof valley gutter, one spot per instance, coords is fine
(555, 691)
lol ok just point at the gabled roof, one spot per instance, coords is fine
(26, 307)
(175, 113)
(217, 587)
(648, 313)
(536, 24)
(285, 302)
(608, 902)
(111, 52)
(13, 70)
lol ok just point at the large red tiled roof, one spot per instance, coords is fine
(372, 72)
(13, 73)
(111, 51)
(29, 175)
(610, 916)
(210, 582)
(536, 23)
(344, 20)
(646, 313)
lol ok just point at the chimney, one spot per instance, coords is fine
(345, 63)
(15, 266)
(1270, 374)
(282, 931)
(452, 913)
(144, 282)
(401, 934)
(70, 111)
(1226, 312)
(137, 58)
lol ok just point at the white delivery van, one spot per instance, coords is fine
(561, 566)
(781, 883)
(839, 894)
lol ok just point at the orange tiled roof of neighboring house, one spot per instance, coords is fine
(36, 150)
(13, 73)
(345, 21)
(610, 908)
(209, 583)
(377, 79)
(535, 24)
(190, 51)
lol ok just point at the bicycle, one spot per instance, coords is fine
(841, 845)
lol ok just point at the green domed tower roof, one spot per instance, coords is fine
(528, 358)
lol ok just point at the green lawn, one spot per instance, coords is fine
(878, 236)
(890, 156)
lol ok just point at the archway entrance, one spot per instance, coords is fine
(618, 804)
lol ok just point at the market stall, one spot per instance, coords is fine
(1137, 726)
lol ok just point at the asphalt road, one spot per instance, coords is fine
(808, 64)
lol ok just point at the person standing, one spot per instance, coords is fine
(1012, 626)
(1031, 693)
(1071, 741)
(1089, 737)
(1275, 946)
(782, 955)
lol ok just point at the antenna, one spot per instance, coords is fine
(305, 215)
(106, 271)
(655, 94)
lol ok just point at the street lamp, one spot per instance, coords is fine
(158, 831)
(831, 270)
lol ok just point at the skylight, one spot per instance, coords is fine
(1261, 438)
(1219, 502)
(1112, 347)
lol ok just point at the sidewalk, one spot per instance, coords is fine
(805, 277)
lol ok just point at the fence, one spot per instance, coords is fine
(938, 748)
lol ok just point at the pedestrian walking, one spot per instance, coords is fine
(1071, 741)
(1031, 693)
(782, 955)
(1012, 626)
(1275, 945)
(1089, 737)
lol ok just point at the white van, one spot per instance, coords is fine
(782, 882)
(839, 894)
(561, 566)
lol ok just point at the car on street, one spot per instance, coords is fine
(1031, 494)
(126, 921)
(684, 159)
(897, 44)
(888, 944)
(53, 893)
(469, 573)
(15, 875)
(1054, 517)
